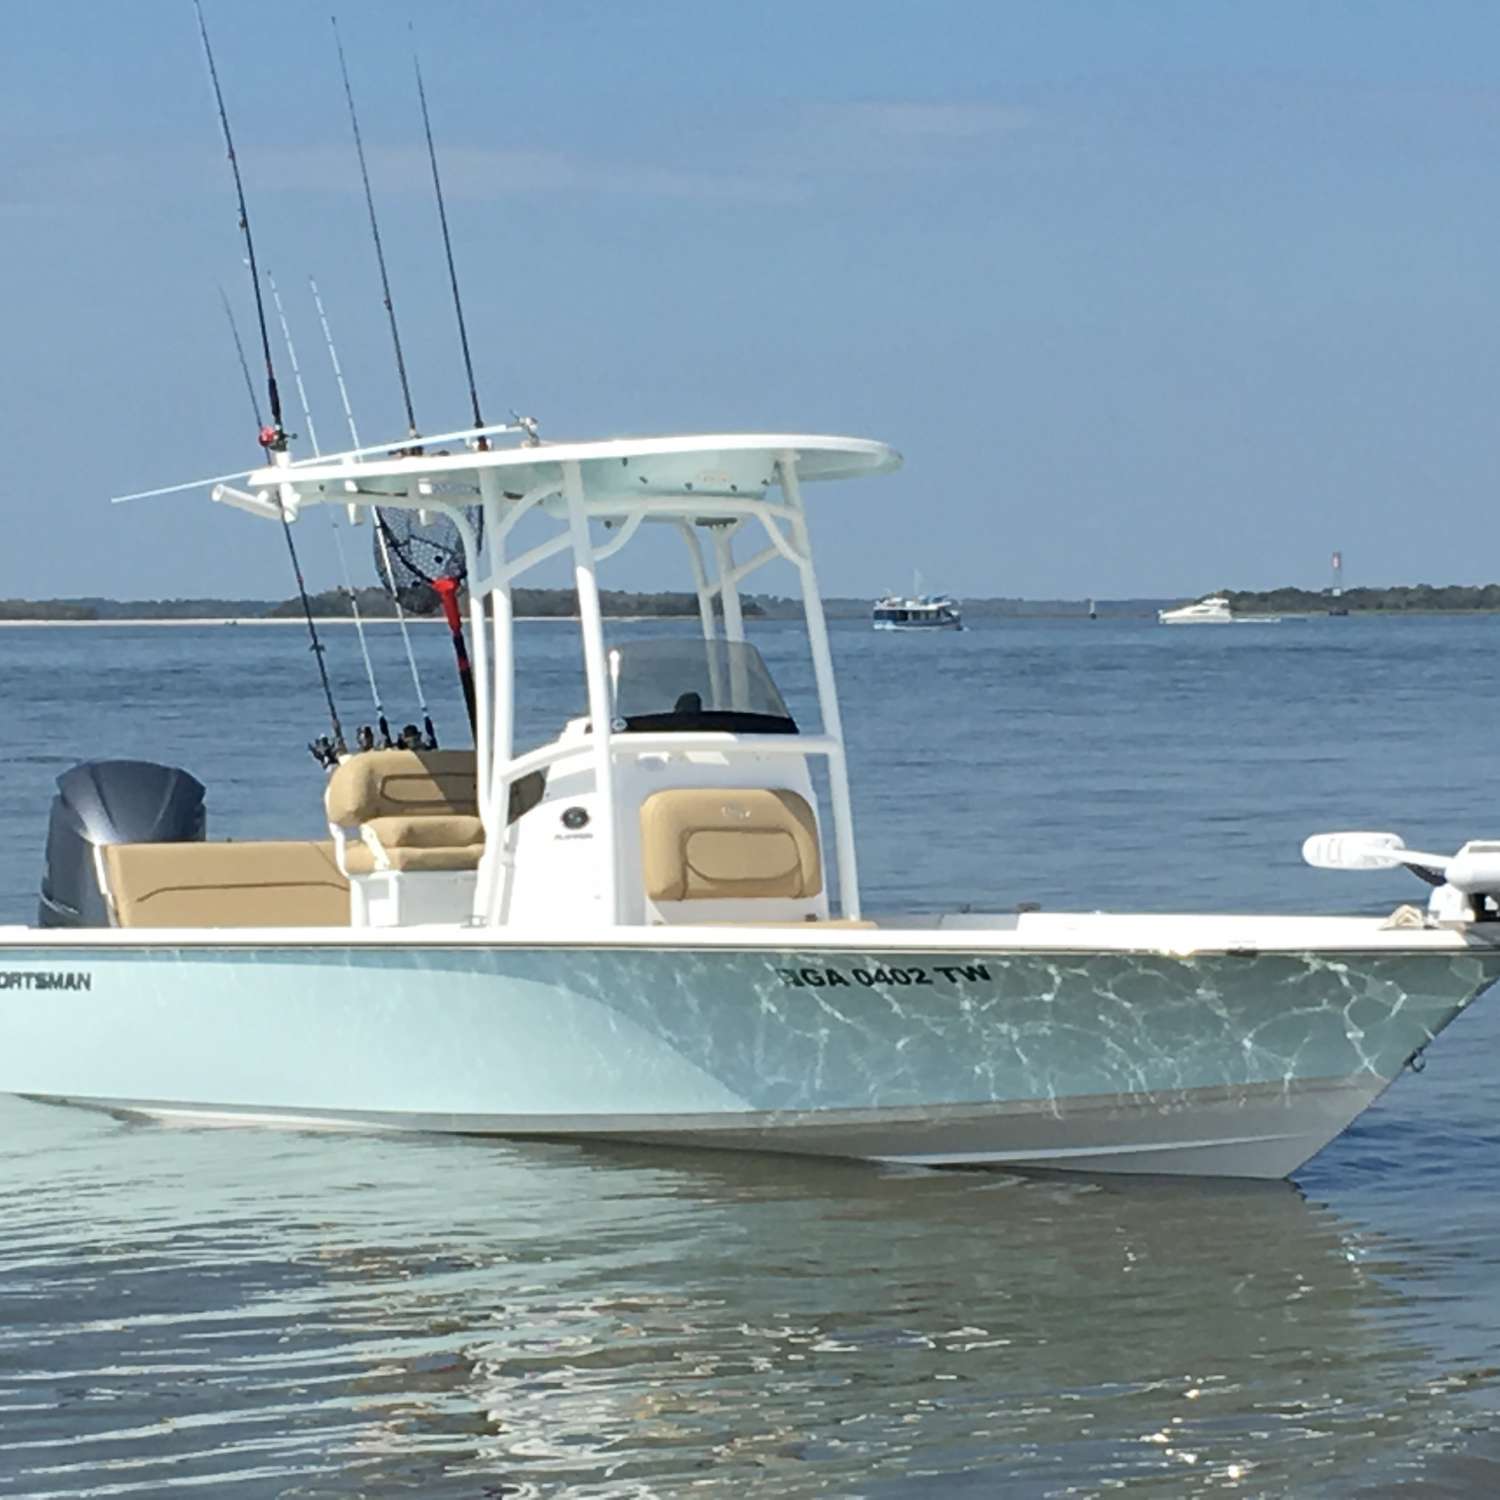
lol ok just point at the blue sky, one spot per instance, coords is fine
(1155, 298)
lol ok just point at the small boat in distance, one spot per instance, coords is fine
(1210, 611)
(919, 611)
(1214, 610)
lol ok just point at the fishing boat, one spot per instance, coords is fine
(651, 927)
(917, 611)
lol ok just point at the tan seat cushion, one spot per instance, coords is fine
(360, 859)
(425, 833)
(727, 843)
(439, 843)
(401, 783)
(416, 783)
(271, 884)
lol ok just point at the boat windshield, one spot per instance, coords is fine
(684, 684)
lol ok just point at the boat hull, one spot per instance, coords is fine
(1232, 1064)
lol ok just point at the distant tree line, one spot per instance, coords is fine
(48, 609)
(1420, 598)
(98, 608)
(375, 603)
(845, 607)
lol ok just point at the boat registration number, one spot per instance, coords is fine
(827, 976)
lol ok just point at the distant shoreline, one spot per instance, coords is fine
(254, 620)
(130, 622)
(336, 607)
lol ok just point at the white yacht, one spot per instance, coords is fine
(651, 926)
(1211, 611)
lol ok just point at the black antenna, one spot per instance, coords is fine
(385, 281)
(239, 348)
(437, 187)
(274, 436)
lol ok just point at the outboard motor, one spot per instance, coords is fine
(111, 802)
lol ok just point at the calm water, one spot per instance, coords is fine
(253, 1313)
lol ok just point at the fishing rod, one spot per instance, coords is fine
(382, 549)
(273, 436)
(291, 355)
(239, 349)
(338, 369)
(437, 188)
(447, 579)
(385, 281)
(366, 740)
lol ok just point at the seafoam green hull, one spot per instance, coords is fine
(1242, 1064)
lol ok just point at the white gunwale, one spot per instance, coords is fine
(1184, 936)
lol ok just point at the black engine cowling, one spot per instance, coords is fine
(111, 802)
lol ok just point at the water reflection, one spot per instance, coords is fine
(325, 1315)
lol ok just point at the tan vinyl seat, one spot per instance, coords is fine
(402, 784)
(729, 843)
(271, 884)
(416, 810)
(427, 843)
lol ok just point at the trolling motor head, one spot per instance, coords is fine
(1467, 884)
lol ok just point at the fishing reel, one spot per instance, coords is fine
(1466, 885)
(325, 751)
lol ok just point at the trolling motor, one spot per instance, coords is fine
(1466, 884)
